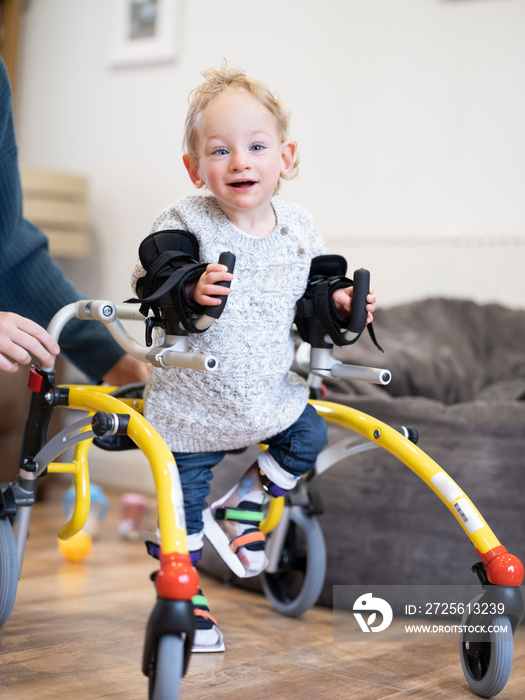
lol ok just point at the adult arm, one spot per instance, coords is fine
(31, 282)
(37, 288)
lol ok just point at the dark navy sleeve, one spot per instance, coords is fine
(31, 283)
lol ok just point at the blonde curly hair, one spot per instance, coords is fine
(216, 80)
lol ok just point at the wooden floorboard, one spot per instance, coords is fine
(77, 630)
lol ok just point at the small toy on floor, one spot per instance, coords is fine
(136, 517)
(76, 548)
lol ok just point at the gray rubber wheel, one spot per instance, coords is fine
(164, 679)
(8, 570)
(487, 663)
(297, 584)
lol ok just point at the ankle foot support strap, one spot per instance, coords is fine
(246, 513)
(252, 539)
(201, 609)
(270, 487)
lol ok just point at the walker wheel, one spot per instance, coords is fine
(167, 670)
(487, 660)
(297, 584)
(8, 570)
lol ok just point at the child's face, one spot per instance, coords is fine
(240, 154)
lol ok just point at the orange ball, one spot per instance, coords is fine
(76, 548)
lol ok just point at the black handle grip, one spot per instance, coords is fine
(360, 292)
(227, 259)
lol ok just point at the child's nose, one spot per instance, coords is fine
(239, 161)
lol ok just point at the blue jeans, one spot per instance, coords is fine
(295, 449)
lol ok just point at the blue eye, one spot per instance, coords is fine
(257, 147)
(220, 152)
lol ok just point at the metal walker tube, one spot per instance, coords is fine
(172, 523)
(502, 568)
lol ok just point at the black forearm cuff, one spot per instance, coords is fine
(170, 259)
(327, 275)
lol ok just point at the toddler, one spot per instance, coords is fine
(237, 147)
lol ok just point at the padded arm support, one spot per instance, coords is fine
(317, 307)
(327, 274)
(170, 259)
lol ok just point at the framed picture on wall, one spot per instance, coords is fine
(144, 32)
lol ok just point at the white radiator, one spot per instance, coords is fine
(408, 267)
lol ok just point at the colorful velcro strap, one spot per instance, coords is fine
(153, 549)
(270, 487)
(200, 600)
(249, 537)
(240, 515)
(201, 610)
(205, 615)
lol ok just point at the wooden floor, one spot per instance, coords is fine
(76, 633)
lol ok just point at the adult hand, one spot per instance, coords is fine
(23, 341)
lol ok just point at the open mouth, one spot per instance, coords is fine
(242, 184)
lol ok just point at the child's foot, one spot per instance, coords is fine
(239, 514)
(208, 637)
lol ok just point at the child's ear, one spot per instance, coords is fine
(288, 151)
(192, 166)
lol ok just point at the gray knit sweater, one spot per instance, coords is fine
(253, 395)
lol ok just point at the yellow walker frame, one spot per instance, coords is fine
(177, 580)
(503, 568)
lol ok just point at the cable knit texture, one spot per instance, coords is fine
(253, 395)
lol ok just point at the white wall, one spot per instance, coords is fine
(409, 113)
